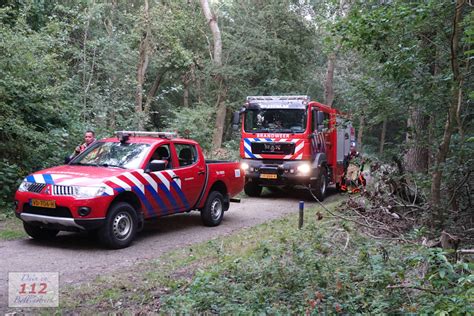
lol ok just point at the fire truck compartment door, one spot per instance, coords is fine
(343, 140)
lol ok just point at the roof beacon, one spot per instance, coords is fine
(124, 135)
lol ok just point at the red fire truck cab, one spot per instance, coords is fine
(117, 183)
(290, 140)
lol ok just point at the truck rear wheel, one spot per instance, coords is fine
(40, 233)
(213, 211)
(120, 226)
(320, 185)
(252, 189)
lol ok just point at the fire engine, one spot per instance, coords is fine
(291, 140)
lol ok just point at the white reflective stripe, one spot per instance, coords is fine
(282, 140)
(246, 145)
(287, 157)
(172, 174)
(121, 184)
(300, 156)
(163, 179)
(108, 189)
(137, 182)
(258, 156)
(39, 178)
(299, 147)
(150, 181)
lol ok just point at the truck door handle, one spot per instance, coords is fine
(200, 172)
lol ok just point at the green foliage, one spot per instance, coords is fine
(194, 122)
(305, 272)
(448, 287)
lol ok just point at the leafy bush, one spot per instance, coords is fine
(195, 122)
(305, 272)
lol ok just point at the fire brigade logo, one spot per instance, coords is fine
(47, 189)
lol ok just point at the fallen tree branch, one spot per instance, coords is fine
(357, 222)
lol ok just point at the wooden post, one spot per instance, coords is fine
(300, 223)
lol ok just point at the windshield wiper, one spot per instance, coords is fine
(79, 164)
(109, 165)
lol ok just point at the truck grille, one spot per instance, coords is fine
(63, 190)
(36, 187)
(55, 212)
(274, 148)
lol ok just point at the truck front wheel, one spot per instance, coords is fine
(120, 226)
(40, 233)
(320, 185)
(252, 189)
(213, 211)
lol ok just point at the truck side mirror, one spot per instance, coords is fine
(320, 118)
(235, 120)
(156, 165)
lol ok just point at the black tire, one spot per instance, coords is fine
(252, 189)
(213, 211)
(120, 226)
(40, 233)
(320, 185)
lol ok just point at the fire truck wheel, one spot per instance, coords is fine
(120, 226)
(40, 233)
(320, 185)
(213, 211)
(252, 189)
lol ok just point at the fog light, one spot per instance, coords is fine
(84, 210)
(244, 166)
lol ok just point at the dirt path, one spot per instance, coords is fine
(78, 258)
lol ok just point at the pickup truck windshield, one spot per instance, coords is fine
(110, 154)
(275, 120)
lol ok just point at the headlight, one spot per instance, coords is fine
(24, 186)
(244, 166)
(304, 169)
(88, 192)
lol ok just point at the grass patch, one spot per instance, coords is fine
(10, 227)
(274, 268)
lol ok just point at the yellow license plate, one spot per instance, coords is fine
(43, 203)
(268, 176)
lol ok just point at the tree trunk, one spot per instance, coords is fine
(152, 92)
(443, 150)
(144, 58)
(382, 136)
(416, 158)
(329, 83)
(217, 61)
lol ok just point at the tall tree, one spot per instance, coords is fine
(217, 61)
(145, 51)
(456, 102)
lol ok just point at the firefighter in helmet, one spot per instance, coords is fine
(353, 181)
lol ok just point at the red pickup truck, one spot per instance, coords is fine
(117, 183)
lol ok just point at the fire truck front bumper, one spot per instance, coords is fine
(279, 172)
